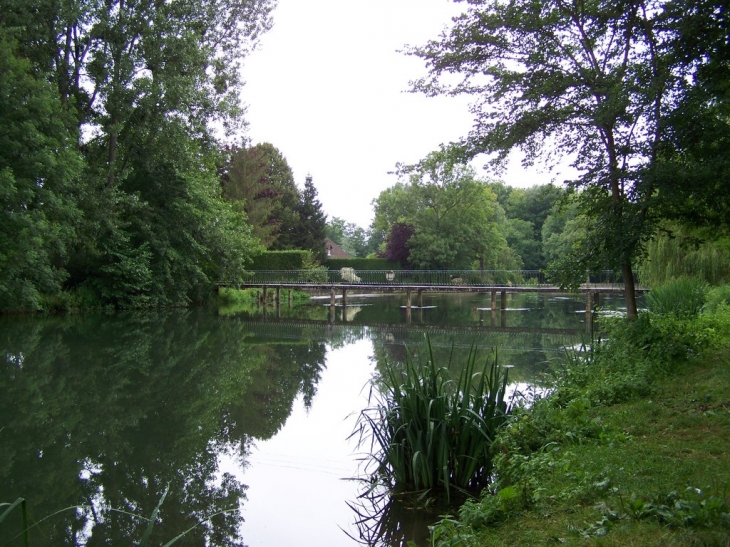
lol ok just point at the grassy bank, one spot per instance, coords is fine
(632, 446)
(232, 301)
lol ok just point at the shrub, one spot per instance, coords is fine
(364, 264)
(282, 260)
(717, 297)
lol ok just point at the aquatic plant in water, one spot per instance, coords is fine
(428, 430)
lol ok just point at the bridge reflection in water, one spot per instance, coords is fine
(504, 338)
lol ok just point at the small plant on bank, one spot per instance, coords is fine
(429, 431)
(683, 296)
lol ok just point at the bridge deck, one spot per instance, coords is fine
(399, 287)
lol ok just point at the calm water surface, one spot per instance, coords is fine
(104, 415)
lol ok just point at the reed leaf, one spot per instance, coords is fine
(19, 504)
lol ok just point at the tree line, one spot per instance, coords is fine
(116, 191)
(111, 167)
(633, 91)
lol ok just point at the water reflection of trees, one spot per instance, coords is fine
(107, 412)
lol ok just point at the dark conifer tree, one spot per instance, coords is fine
(310, 232)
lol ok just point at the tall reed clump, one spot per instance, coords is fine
(681, 296)
(427, 430)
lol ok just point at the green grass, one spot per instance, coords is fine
(681, 296)
(429, 431)
(601, 462)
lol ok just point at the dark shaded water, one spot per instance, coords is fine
(104, 414)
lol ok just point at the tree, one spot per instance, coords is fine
(563, 233)
(309, 233)
(260, 180)
(140, 87)
(569, 78)
(526, 211)
(349, 236)
(694, 168)
(396, 248)
(455, 218)
(520, 235)
(38, 168)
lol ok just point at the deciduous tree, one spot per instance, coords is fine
(455, 218)
(567, 78)
(260, 181)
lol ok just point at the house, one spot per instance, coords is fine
(333, 250)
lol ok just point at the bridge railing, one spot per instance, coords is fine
(514, 278)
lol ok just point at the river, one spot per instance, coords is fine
(231, 424)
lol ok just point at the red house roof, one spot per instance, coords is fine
(332, 250)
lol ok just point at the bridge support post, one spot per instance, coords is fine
(278, 297)
(503, 299)
(344, 301)
(264, 303)
(420, 298)
(332, 305)
(408, 305)
(593, 299)
(494, 301)
(589, 310)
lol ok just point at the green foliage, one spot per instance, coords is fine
(429, 431)
(527, 210)
(540, 449)
(717, 298)
(542, 97)
(38, 169)
(310, 229)
(680, 296)
(259, 180)
(350, 237)
(680, 254)
(282, 260)
(694, 508)
(456, 219)
(366, 264)
(108, 176)
(521, 239)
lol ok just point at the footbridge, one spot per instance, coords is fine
(337, 283)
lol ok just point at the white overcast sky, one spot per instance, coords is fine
(328, 88)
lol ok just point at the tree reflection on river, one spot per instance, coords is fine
(239, 418)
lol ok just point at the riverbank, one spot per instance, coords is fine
(631, 448)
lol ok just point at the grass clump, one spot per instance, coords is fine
(681, 296)
(428, 430)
